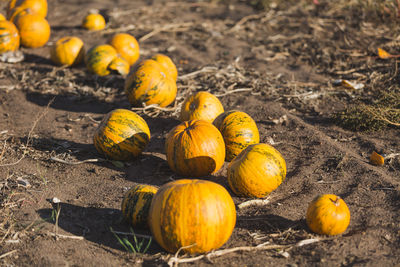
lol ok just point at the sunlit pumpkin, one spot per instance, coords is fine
(195, 148)
(34, 30)
(67, 51)
(119, 65)
(121, 135)
(38, 7)
(256, 171)
(239, 131)
(9, 37)
(167, 64)
(2, 17)
(98, 59)
(201, 106)
(328, 215)
(94, 22)
(135, 205)
(126, 46)
(19, 11)
(189, 212)
(148, 84)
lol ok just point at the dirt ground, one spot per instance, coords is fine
(281, 58)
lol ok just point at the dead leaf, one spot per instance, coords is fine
(376, 159)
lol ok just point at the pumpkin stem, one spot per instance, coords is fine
(336, 202)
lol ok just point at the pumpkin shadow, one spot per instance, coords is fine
(37, 59)
(268, 223)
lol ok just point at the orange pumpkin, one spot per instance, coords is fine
(167, 64)
(239, 131)
(149, 85)
(38, 7)
(195, 148)
(98, 59)
(328, 215)
(34, 30)
(126, 46)
(94, 22)
(119, 65)
(19, 11)
(201, 106)
(9, 37)
(256, 171)
(2, 17)
(189, 212)
(67, 51)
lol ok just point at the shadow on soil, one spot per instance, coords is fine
(269, 223)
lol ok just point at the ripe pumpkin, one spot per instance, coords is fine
(94, 22)
(167, 64)
(201, 106)
(135, 205)
(9, 37)
(119, 65)
(192, 212)
(127, 47)
(121, 135)
(34, 30)
(19, 11)
(148, 84)
(67, 51)
(328, 215)
(2, 17)
(35, 6)
(195, 148)
(256, 171)
(98, 59)
(239, 131)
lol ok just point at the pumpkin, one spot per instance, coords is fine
(19, 11)
(328, 214)
(148, 84)
(190, 212)
(121, 135)
(67, 51)
(167, 64)
(135, 205)
(34, 30)
(9, 37)
(38, 7)
(119, 65)
(195, 148)
(2, 17)
(256, 171)
(239, 131)
(201, 106)
(94, 22)
(98, 59)
(126, 46)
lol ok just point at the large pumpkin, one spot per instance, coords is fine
(126, 46)
(239, 131)
(67, 51)
(34, 30)
(148, 84)
(201, 106)
(168, 65)
(135, 205)
(256, 171)
(98, 59)
(121, 135)
(195, 148)
(189, 212)
(94, 22)
(9, 37)
(35, 6)
(328, 215)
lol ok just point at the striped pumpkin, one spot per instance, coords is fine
(119, 65)
(256, 171)
(35, 6)
(136, 204)
(168, 65)
(127, 47)
(67, 51)
(191, 212)
(201, 106)
(98, 59)
(121, 135)
(239, 131)
(9, 37)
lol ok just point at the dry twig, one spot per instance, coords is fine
(170, 27)
(76, 162)
(254, 202)
(8, 253)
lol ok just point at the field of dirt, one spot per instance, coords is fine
(276, 60)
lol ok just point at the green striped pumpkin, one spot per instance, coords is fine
(99, 58)
(9, 37)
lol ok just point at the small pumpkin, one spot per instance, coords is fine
(127, 47)
(94, 22)
(2, 17)
(148, 84)
(195, 148)
(201, 106)
(38, 7)
(119, 65)
(239, 131)
(328, 214)
(135, 205)
(34, 30)
(189, 212)
(9, 37)
(98, 59)
(256, 171)
(121, 135)
(67, 51)
(168, 65)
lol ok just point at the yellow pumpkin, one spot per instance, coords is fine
(2, 17)
(121, 135)
(256, 171)
(239, 131)
(94, 22)
(167, 64)
(195, 148)
(19, 11)
(189, 212)
(98, 59)
(148, 85)
(328, 215)
(38, 7)
(9, 37)
(201, 106)
(119, 65)
(34, 30)
(67, 51)
(126, 46)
